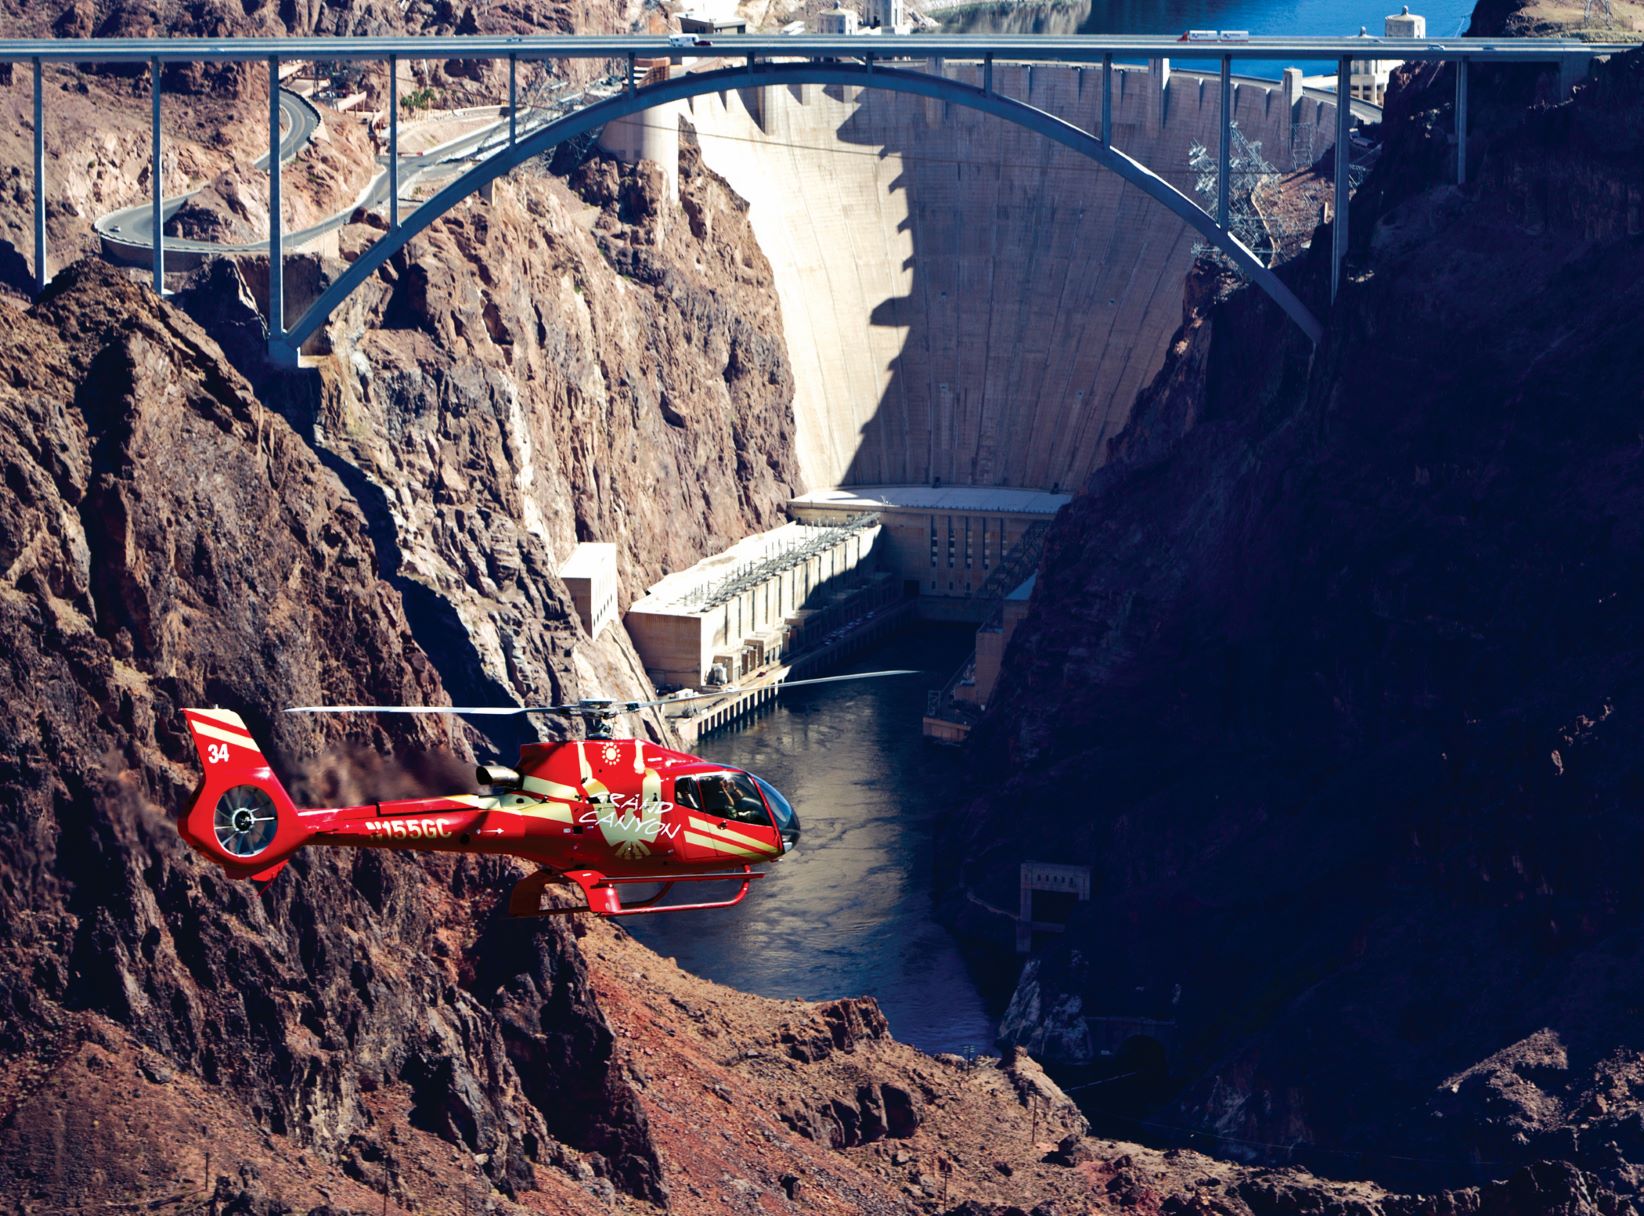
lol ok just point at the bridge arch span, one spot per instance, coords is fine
(764, 74)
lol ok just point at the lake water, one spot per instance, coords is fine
(1261, 17)
(850, 912)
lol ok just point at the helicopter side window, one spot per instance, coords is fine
(716, 796)
(734, 796)
(685, 793)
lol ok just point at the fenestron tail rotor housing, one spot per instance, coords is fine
(244, 821)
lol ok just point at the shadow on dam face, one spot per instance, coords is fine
(964, 300)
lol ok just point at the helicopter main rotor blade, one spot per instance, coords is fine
(432, 709)
(730, 690)
(584, 707)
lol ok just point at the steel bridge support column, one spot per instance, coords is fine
(513, 100)
(1224, 163)
(393, 142)
(1107, 100)
(276, 238)
(158, 220)
(40, 276)
(1461, 122)
(1344, 153)
(987, 75)
(633, 85)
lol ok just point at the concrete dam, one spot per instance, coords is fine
(965, 302)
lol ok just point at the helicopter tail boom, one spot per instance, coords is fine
(240, 817)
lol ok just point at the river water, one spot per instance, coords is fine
(850, 912)
(1445, 18)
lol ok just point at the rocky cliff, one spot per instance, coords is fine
(367, 1032)
(1332, 677)
(168, 541)
(552, 365)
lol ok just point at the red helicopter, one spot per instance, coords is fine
(598, 812)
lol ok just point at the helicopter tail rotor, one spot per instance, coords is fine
(241, 817)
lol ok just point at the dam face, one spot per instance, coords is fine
(966, 302)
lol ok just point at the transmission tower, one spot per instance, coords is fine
(1602, 10)
(1249, 175)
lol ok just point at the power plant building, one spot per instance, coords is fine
(943, 542)
(590, 575)
(749, 607)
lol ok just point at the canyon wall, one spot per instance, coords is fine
(1332, 678)
(551, 366)
(964, 300)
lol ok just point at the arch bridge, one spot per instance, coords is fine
(761, 61)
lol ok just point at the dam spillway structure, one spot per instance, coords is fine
(965, 302)
(969, 308)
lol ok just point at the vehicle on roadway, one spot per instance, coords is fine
(596, 812)
(687, 40)
(1215, 36)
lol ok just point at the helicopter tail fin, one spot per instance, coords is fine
(240, 817)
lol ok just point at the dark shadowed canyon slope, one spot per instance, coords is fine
(1335, 679)
(367, 1031)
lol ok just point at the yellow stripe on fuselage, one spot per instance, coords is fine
(730, 833)
(515, 804)
(552, 789)
(725, 846)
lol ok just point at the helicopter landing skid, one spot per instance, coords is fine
(604, 899)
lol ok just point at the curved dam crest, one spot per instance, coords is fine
(962, 300)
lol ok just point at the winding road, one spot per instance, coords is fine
(130, 231)
(127, 235)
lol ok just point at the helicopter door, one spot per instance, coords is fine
(725, 820)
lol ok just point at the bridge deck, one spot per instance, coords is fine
(1039, 48)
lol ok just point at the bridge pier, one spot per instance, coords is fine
(1224, 163)
(276, 238)
(158, 225)
(393, 143)
(1158, 94)
(1344, 155)
(40, 277)
(1461, 122)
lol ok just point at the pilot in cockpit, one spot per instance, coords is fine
(733, 797)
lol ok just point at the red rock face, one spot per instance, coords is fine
(168, 541)
(1325, 677)
(535, 371)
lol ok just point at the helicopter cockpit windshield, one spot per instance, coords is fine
(732, 795)
(787, 823)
